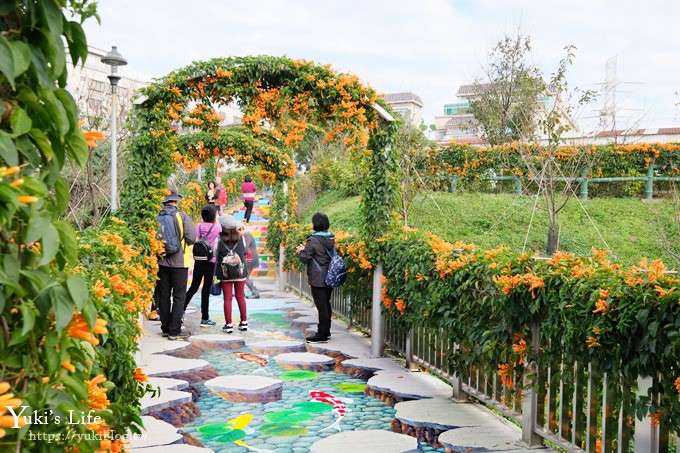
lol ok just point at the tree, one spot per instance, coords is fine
(556, 176)
(414, 150)
(509, 108)
(506, 101)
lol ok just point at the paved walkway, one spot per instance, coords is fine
(267, 390)
(193, 409)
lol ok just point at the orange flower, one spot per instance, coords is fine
(28, 199)
(91, 136)
(78, 328)
(100, 290)
(140, 376)
(17, 183)
(592, 342)
(7, 401)
(662, 292)
(97, 399)
(69, 366)
(677, 384)
(400, 305)
(601, 306)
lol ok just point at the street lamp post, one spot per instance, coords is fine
(114, 59)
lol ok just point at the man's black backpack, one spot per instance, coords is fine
(203, 251)
(170, 230)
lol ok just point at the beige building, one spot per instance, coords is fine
(408, 105)
(458, 124)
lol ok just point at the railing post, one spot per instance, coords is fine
(457, 385)
(454, 183)
(282, 282)
(530, 402)
(583, 195)
(646, 434)
(408, 351)
(649, 184)
(377, 321)
(518, 186)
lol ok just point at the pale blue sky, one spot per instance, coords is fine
(429, 47)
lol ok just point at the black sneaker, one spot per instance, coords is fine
(165, 334)
(243, 325)
(207, 323)
(316, 338)
(228, 328)
(181, 336)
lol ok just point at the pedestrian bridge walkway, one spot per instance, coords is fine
(266, 390)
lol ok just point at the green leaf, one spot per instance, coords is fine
(77, 148)
(77, 286)
(43, 143)
(69, 245)
(22, 57)
(6, 60)
(79, 389)
(282, 430)
(350, 387)
(53, 16)
(29, 151)
(62, 306)
(287, 417)
(297, 375)
(77, 43)
(70, 106)
(20, 121)
(50, 245)
(89, 312)
(28, 316)
(8, 151)
(37, 228)
(214, 429)
(53, 360)
(313, 407)
(55, 109)
(61, 193)
(56, 55)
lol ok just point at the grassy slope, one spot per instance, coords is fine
(632, 229)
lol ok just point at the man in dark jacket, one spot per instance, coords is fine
(173, 271)
(313, 253)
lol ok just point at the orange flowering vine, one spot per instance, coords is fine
(79, 329)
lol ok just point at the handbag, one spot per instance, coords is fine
(216, 287)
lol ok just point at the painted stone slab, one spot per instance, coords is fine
(368, 440)
(305, 361)
(246, 388)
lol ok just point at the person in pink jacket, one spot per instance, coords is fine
(249, 190)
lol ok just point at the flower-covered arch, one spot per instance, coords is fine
(282, 99)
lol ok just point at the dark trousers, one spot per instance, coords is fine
(203, 271)
(172, 281)
(322, 300)
(249, 209)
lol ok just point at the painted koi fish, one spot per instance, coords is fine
(251, 358)
(338, 406)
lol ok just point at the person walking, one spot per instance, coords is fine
(221, 201)
(249, 190)
(231, 258)
(208, 232)
(314, 255)
(252, 260)
(173, 270)
(212, 194)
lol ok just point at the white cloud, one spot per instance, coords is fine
(426, 46)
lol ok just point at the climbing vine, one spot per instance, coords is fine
(68, 303)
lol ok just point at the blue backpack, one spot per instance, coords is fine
(169, 232)
(337, 271)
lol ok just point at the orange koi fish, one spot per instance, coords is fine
(251, 358)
